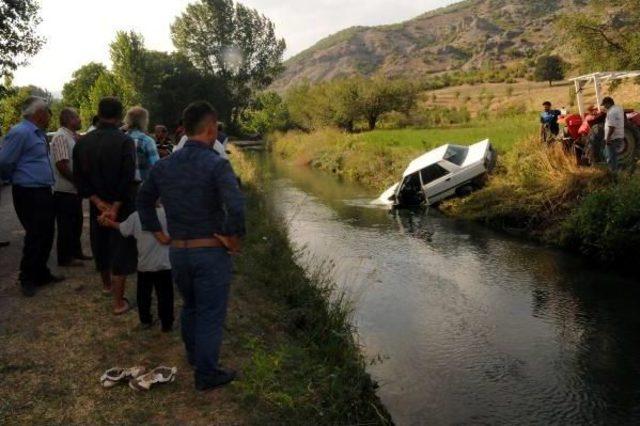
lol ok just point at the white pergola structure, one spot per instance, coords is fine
(597, 79)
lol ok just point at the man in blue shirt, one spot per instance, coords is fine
(24, 161)
(205, 215)
(549, 126)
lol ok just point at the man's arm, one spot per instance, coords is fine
(10, 153)
(61, 156)
(234, 203)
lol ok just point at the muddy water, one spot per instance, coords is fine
(469, 326)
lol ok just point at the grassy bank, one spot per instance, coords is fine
(536, 192)
(376, 159)
(298, 361)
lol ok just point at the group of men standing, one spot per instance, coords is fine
(120, 172)
(612, 138)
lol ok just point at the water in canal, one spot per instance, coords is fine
(472, 327)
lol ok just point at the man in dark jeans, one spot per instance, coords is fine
(68, 205)
(205, 215)
(24, 160)
(104, 169)
(3, 243)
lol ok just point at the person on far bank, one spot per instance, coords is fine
(549, 126)
(613, 132)
(205, 213)
(154, 269)
(104, 171)
(24, 161)
(137, 122)
(68, 205)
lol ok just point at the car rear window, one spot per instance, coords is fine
(456, 154)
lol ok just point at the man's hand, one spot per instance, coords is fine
(232, 243)
(101, 205)
(109, 223)
(162, 238)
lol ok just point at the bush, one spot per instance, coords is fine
(606, 225)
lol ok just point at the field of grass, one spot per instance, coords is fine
(501, 132)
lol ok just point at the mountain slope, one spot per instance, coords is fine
(464, 35)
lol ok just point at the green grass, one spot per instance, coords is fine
(503, 133)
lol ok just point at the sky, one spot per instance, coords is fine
(79, 31)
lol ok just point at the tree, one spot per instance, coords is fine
(128, 57)
(549, 68)
(380, 96)
(18, 39)
(11, 104)
(107, 84)
(75, 93)
(605, 36)
(230, 41)
(267, 113)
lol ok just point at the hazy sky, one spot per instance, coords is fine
(79, 31)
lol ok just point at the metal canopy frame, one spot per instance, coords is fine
(597, 79)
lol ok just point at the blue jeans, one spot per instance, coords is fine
(203, 277)
(611, 151)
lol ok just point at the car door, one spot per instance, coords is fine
(437, 182)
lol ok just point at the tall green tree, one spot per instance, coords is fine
(129, 57)
(380, 95)
(18, 38)
(107, 84)
(11, 105)
(75, 93)
(230, 41)
(549, 68)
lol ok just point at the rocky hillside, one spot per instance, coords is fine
(462, 36)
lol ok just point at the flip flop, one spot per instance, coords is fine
(125, 310)
(158, 375)
(116, 375)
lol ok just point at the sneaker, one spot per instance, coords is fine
(158, 375)
(222, 377)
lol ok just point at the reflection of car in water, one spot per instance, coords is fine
(442, 173)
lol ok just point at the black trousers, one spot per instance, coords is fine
(34, 207)
(162, 281)
(68, 208)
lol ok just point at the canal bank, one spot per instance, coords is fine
(466, 325)
(536, 192)
(297, 358)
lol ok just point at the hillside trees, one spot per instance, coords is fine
(605, 36)
(233, 43)
(345, 102)
(18, 38)
(549, 68)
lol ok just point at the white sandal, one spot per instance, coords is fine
(116, 375)
(155, 376)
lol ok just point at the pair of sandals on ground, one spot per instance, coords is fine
(138, 377)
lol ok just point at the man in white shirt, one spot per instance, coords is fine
(67, 203)
(217, 147)
(613, 131)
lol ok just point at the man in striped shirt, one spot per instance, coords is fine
(67, 203)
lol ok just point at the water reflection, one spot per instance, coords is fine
(475, 327)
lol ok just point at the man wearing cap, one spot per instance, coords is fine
(24, 161)
(613, 132)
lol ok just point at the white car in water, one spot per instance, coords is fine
(442, 173)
